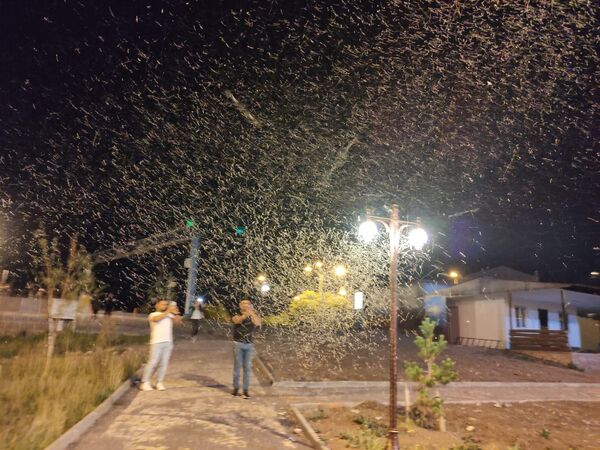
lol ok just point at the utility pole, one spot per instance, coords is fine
(192, 274)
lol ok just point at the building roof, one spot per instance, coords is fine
(584, 298)
(502, 273)
(488, 285)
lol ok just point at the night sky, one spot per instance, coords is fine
(123, 119)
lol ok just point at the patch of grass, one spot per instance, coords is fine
(35, 410)
(364, 440)
(13, 345)
(319, 415)
(345, 436)
(368, 424)
(67, 341)
(545, 433)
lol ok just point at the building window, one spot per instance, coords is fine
(520, 316)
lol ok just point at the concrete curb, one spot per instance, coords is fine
(264, 369)
(75, 433)
(352, 404)
(460, 384)
(310, 433)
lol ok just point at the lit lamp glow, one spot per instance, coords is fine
(265, 288)
(343, 292)
(417, 238)
(367, 230)
(340, 271)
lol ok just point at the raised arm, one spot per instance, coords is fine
(239, 318)
(158, 317)
(256, 320)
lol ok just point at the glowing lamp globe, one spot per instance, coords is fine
(367, 231)
(265, 288)
(340, 271)
(417, 238)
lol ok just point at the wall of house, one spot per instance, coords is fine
(590, 333)
(482, 319)
(574, 331)
(532, 321)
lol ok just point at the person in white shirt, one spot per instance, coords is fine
(161, 342)
(197, 316)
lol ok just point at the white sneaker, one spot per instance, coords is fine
(145, 387)
(160, 387)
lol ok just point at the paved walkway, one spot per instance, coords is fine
(196, 411)
(353, 392)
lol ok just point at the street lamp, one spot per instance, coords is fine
(340, 271)
(417, 238)
(455, 275)
(262, 284)
(308, 270)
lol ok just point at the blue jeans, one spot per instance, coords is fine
(159, 357)
(243, 358)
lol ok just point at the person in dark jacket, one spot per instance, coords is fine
(244, 325)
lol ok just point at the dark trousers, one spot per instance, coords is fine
(195, 326)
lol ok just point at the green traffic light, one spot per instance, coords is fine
(239, 230)
(189, 223)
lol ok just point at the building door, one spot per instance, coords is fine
(543, 314)
(453, 324)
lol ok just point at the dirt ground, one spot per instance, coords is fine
(371, 363)
(548, 425)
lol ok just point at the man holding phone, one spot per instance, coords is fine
(161, 342)
(244, 325)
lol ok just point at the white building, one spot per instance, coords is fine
(491, 307)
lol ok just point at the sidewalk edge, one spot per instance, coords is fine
(263, 368)
(310, 433)
(75, 433)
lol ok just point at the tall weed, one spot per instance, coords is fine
(35, 410)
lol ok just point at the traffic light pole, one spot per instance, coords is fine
(192, 274)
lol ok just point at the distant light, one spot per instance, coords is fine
(340, 271)
(453, 274)
(200, 300)
(594, 274)
(318, 264)
(261, 278)
(308, 269)
(358, 300)
(343, 292)
(189, 223)
(367, 230)
(417, 238)
(265, 288)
